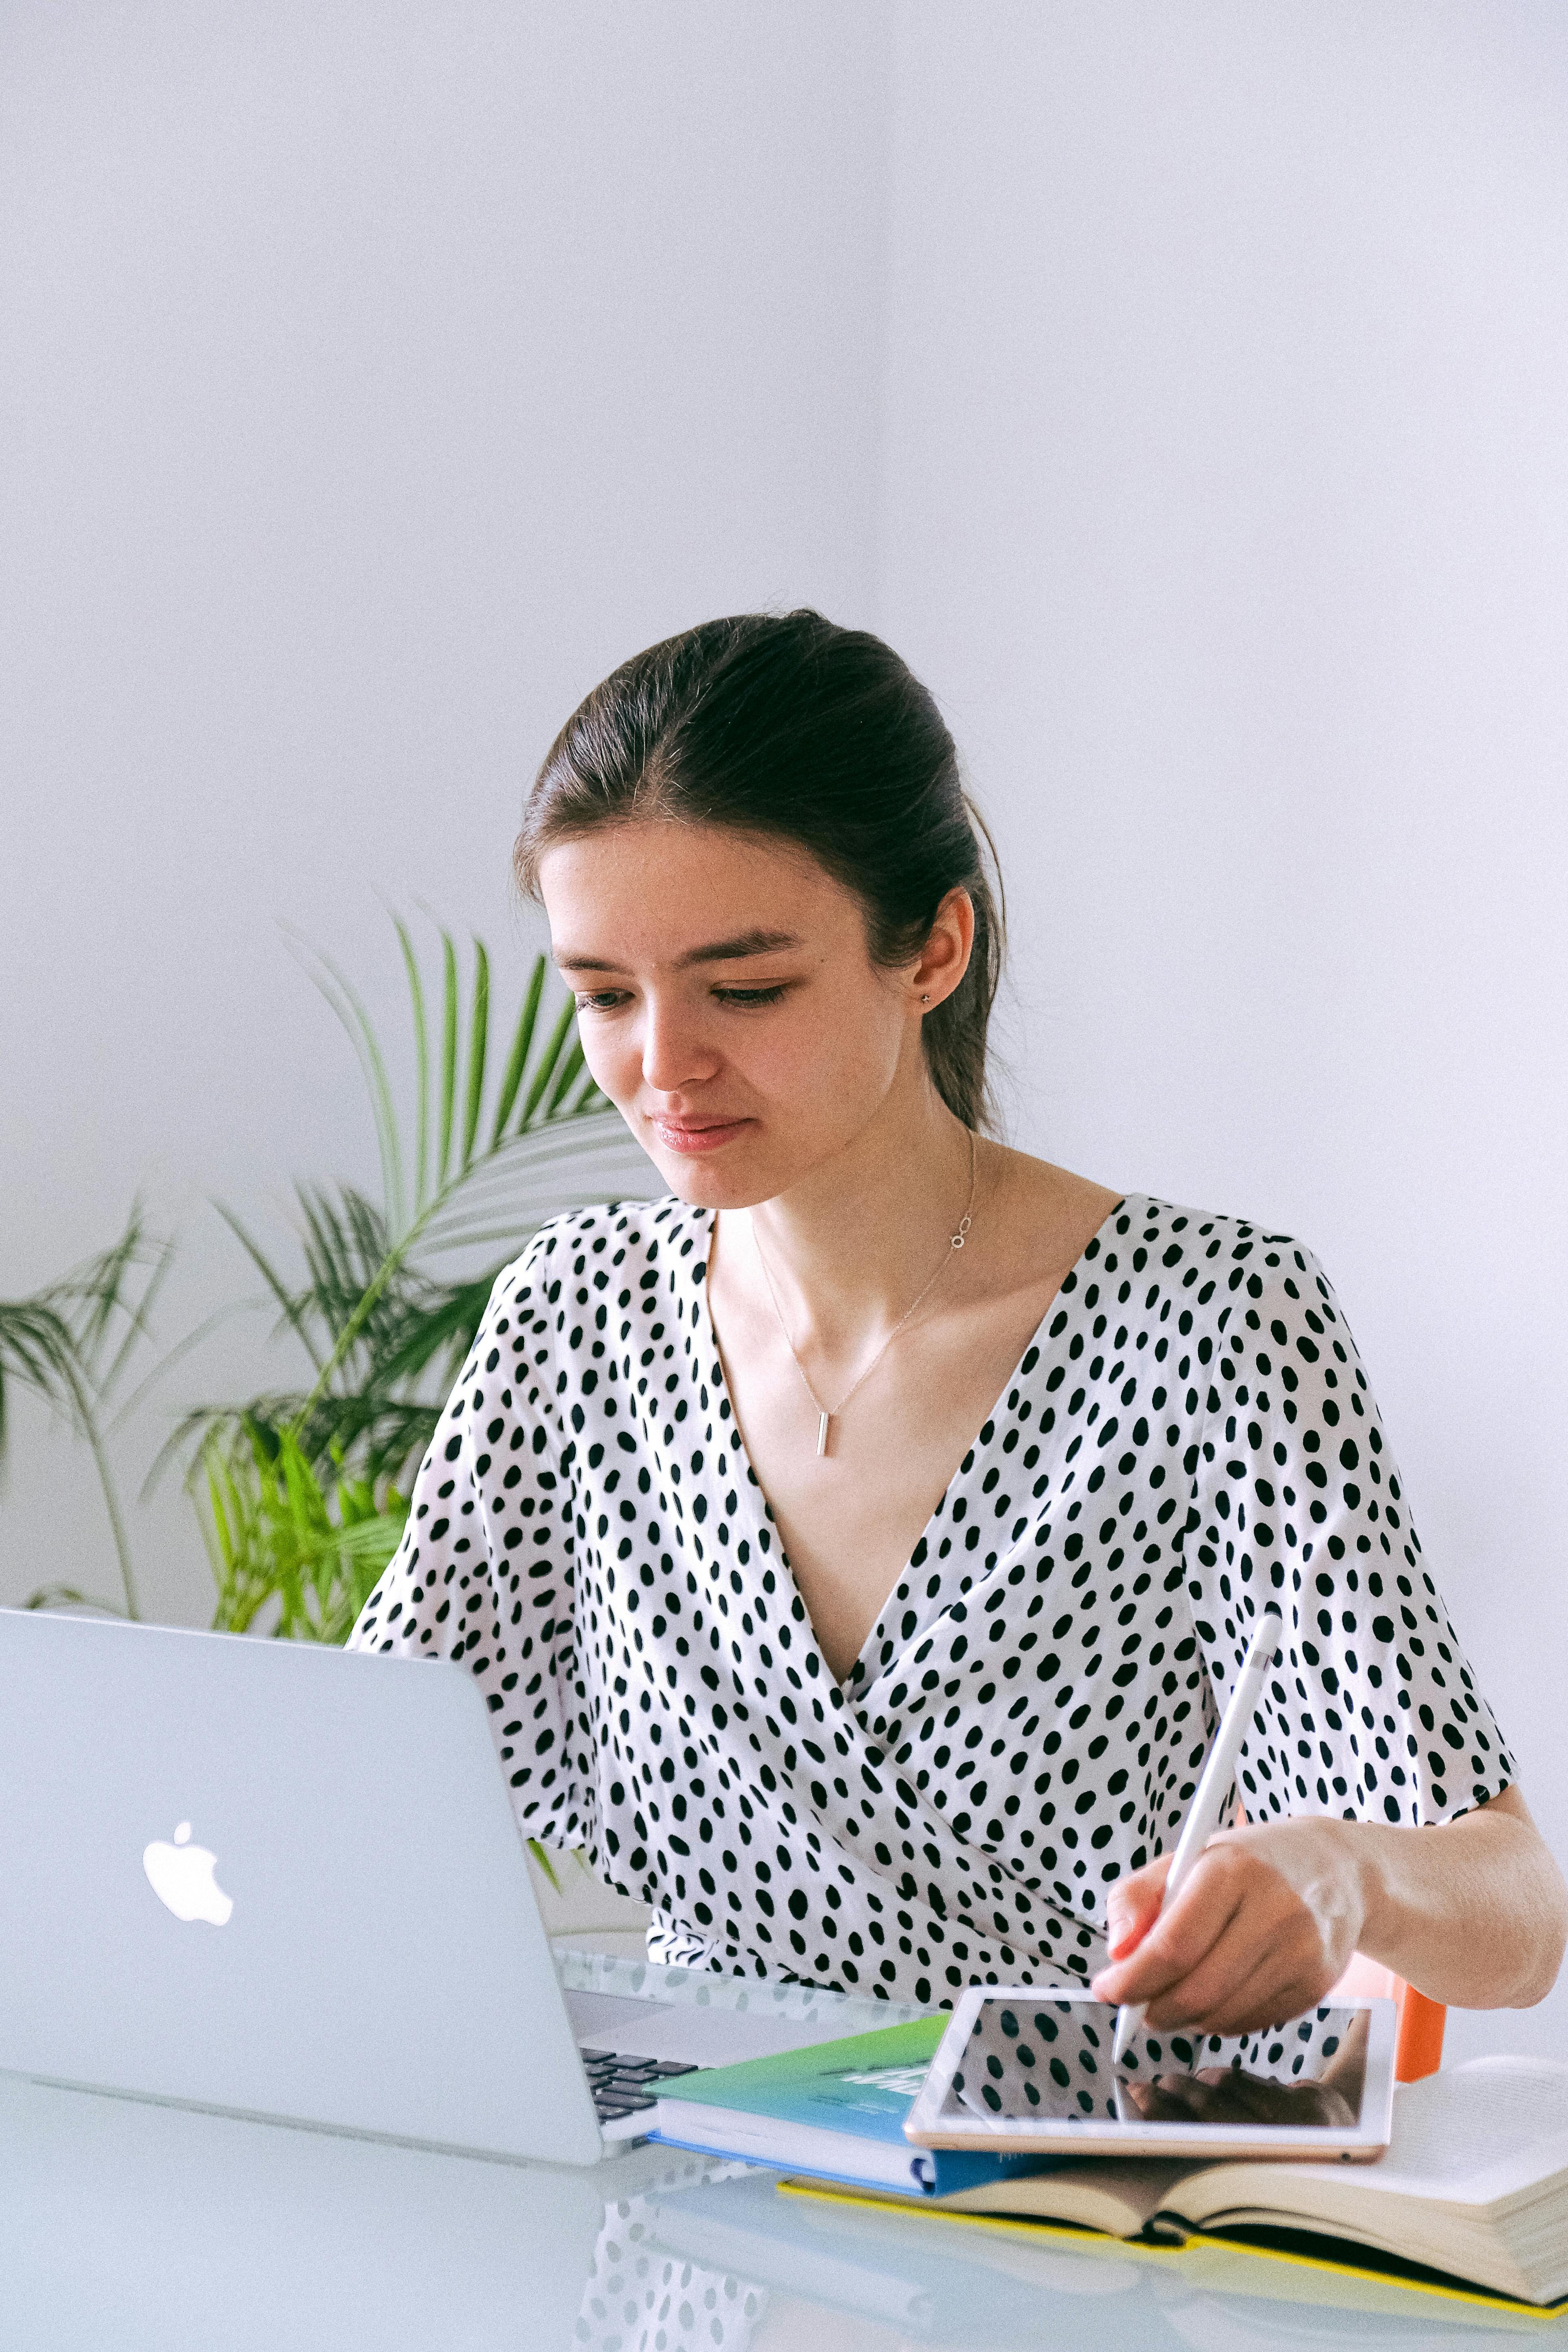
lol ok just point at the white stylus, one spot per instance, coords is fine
(1218, 1774)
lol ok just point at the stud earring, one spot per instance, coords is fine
(925, 999)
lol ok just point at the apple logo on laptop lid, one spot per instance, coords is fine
(181, 1876)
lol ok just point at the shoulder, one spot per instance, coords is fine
(548, 1320)
(620, 1238)
(1214, 1257)
(1232, 1286)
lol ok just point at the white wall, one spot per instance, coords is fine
(1226, 509)
(375, 375)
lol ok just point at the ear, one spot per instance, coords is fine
(944, 959)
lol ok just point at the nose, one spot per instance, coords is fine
(675, 1055)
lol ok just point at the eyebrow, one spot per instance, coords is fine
(744, 943)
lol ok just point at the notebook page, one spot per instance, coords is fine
(1482, 2131)
(1485, 2132)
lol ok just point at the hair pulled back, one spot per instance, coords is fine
(785, 725)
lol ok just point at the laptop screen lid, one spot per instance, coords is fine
(277, 1880)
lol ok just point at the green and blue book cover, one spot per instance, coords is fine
(836, 2110)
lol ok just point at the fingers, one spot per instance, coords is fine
(1237, 1990)
(1134, 1906)
(1236, 1951)
(1176, 1943)
(1250, 1971)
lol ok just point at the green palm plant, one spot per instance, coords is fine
(70, 1344)
(303, 1490)
(272, 1534)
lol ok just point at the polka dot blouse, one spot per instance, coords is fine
(1188, 1436)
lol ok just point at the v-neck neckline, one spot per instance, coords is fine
(851, 1684)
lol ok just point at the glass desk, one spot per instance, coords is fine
(132, 2228)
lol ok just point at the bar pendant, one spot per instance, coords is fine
(822, 1434)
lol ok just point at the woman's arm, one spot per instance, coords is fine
(1472, 1911)
(1381, 1812)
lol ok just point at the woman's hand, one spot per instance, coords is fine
(1264, 1926)
(1474, 1911)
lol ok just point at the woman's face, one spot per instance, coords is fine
(727, 1003)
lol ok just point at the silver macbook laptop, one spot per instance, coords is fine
(285, 1881)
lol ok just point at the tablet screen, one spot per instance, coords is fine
(1051, 2059)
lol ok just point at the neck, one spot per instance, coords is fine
(848, 1246)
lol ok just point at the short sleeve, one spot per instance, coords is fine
(484, 1572)
(1296, 1500)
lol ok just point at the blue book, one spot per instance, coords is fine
(836, 2111)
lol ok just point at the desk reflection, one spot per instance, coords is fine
(811, 2262)
(138, 2227)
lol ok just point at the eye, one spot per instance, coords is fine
(743, 999)
(599, 999)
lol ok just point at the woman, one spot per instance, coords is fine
(855, 1547)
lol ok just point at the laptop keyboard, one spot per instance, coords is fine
(622, 2085)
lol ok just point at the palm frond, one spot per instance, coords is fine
(521, 1046)
(478, 1037)
(343, 998)
(67, 1596)
(38, 1350)
(421, 1064)
(288, 1482)
(448, 1049)
(273, 1536)
(272, 1278)
(71, 1342)
(105, 1302)
(571, 1065)
(548, 1060)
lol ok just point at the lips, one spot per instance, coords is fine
(692, 1137)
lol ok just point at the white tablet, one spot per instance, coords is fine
(1030, 2071)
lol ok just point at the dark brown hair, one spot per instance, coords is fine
(785, 725)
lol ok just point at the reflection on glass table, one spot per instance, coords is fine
(817, 2274)
(156, 2229)
(1051, 2060)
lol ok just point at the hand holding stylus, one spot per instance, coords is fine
(1218, 1774)
(1259, 1933)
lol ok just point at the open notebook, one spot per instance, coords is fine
(1475, 2185)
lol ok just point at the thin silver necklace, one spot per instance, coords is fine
(828, 1414)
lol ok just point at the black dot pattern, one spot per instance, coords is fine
(639, 2297)
(1056, 2058)
(1188, 1437)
